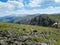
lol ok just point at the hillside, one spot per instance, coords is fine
(19, 34)
(17, 19)
(45, 19)
(27, 18)
(55, 17)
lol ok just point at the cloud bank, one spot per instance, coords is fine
(29, 7)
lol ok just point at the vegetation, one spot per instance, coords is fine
(52, 35)
(38, 32)
(55, 17)
(26, 19)
(42, 21)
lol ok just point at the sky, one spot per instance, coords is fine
(18, 7)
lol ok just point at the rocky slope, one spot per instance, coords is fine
(15, 34)
(33, 37)
(42, 20)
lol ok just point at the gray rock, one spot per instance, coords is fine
(2, 42)
(30, 42)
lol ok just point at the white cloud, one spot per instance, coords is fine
(16, 4)
(8, 8)
(5, 6)
(35, 3)
(10, 5)
(16, 0)
(11, 0)
(49, 10)
(57, 1)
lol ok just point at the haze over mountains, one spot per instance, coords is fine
(35, 19)
(16, 18)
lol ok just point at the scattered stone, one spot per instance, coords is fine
(10, 37)
(2, 42)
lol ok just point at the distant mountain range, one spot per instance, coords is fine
(17, 19)
(36, 19)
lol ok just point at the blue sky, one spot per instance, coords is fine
(17, 7)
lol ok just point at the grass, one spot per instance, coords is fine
(8, 26)
(54, 17)
(37, 39)
(20, 28)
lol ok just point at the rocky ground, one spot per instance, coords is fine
(32, 37)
